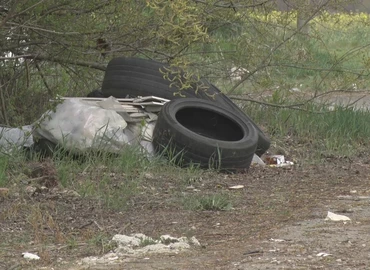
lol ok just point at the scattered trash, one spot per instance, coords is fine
(277, 240)
(295, 89)
(323, 254)
(238, 73)
(30, 256)
(277, 161)
(335, 217)
(237, 187)
(138, 244)
(257, 160)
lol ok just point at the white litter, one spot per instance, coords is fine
(104, 125)
(277, 161)
(335, 217)
(30, 256)
(237, 187)
(139, 244)
(79, 126)
(15, 138)
(257, 160)
(277, 240)
(323, 254)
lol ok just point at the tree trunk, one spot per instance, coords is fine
(303, 16)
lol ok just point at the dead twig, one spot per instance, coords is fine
(97, 225)
(86, 224)
(253, 252)
(3, 107)
(43, 79)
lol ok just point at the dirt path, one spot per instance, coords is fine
(277, 222)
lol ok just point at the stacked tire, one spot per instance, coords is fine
(229, 143)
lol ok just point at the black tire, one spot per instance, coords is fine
(199, 131)
(141, 77)
(263, 141)
(96, 93)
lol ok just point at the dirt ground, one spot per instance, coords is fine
(277, 222)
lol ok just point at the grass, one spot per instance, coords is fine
(342, 131)
(147, 241)
(213, 202)
(112, 179)
(3, 170)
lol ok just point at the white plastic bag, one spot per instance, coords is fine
(15, 138)
(78, 126)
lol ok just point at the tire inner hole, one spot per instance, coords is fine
(209, 124)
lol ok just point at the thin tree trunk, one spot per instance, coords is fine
(303, 16)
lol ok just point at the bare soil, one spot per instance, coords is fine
(277, 221)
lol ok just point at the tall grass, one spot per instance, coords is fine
(342, 131)
(3, 170)
(110, 178)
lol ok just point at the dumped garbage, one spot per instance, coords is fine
(92, 127)
(201, 127)
(131, 76)
(100, 124)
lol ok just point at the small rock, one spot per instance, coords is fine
(31, 190)
(4, 192)
(70, 193)
(194, 241)
(44, 189)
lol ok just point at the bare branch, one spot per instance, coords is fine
(266, 61)
(291, 106)
(76, 62)
(50, 31)
(229, 4)
(3, 106)
(27, 9)
(43, 79)
(14, 57)
(298, 106)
